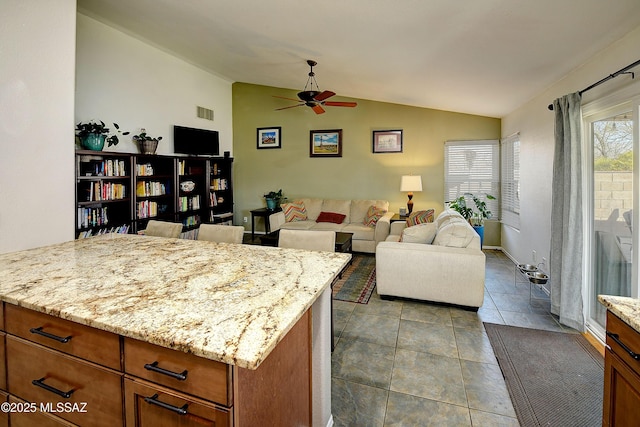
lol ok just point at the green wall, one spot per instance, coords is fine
(359, 173)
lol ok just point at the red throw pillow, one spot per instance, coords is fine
(334, 217)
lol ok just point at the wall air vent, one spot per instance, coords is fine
(205, 113)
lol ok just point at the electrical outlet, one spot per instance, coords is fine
(245, 219)
(534, 255)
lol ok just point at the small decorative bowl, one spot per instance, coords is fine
(538, 277)
(527, 267)
(187, 186)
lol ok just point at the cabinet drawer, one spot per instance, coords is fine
(40, 419)
(150, 405)
(96, 389)
(626, 335)
(205, 378)
(85, 342)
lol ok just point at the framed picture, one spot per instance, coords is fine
(387, 141)
(325, 143)
(270, 137)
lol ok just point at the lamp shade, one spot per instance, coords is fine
(411, 183)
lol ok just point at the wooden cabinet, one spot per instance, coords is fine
(103, 193)
(621, 400)
(88, 377)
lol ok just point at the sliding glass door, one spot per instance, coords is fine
(613, 145)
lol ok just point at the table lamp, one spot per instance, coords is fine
(410, 183)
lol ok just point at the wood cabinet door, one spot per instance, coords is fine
(149, 405)
(621, 400)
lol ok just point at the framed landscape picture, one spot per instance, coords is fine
(325, 143)
(270, 137)
(387, 141)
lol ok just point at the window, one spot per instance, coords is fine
(510, 181)
(472, 167)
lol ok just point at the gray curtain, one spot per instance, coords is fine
(566, 214)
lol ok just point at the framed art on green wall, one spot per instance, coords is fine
(387, 141)
(269, 137)
(325, 143)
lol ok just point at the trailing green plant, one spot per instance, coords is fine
(142, 136)
(475, 215)
(84, 129)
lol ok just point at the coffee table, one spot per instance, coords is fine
(343, 240)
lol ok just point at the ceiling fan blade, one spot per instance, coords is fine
(282, 97)
(324, 95)
(340, 104)
(290, 106)
(318, 109)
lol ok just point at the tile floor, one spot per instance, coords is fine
(409, 363)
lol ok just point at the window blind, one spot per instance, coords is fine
(473, 167)
(510, 181)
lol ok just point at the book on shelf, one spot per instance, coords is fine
(121, 229)
(150, 188)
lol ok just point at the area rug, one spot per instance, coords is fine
(553, 378)
(358, 280)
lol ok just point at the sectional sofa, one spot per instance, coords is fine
(368, 220)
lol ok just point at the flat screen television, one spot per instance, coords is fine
(195, 141)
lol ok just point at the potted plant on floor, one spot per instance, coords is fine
(93, 135)
(273, 198)
(474, 215)
(147, 144)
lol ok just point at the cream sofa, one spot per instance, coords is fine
(365, 238)
(440, 261)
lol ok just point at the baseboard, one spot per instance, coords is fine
(595, 342)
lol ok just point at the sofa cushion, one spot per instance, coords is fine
(372, 216)
(360, 231)
(294, 211)
(420, 217)
(299, 225)
(359, 209)
(313, 207)
(447, 216)
(421, 233)
(334, 217)
(455, 235)
(337, 206)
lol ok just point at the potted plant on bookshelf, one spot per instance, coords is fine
(92, 135)
(273, 198)
(475, 215)
(147, 144)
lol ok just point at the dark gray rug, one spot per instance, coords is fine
(554, 378)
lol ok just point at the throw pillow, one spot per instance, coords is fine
(372, 216)
(333, 217)
(294, 212)
(420, 217)
(421, 233)
(455, 235)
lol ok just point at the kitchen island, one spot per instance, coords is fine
(231, 306)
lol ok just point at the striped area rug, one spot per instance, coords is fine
(358, 280)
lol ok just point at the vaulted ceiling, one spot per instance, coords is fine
(485, 57)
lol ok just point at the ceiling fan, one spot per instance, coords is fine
(314, 98)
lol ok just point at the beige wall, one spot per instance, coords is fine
(359, 173)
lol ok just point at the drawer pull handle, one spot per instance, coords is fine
(40, 383)
(39, 331)
(616, 338)
(153, 400)
(154, 367)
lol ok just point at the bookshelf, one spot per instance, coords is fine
(103, 193)
(220, 196)
(121, 192)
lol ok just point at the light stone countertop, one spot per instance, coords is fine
(225, 302)
(627, 309)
